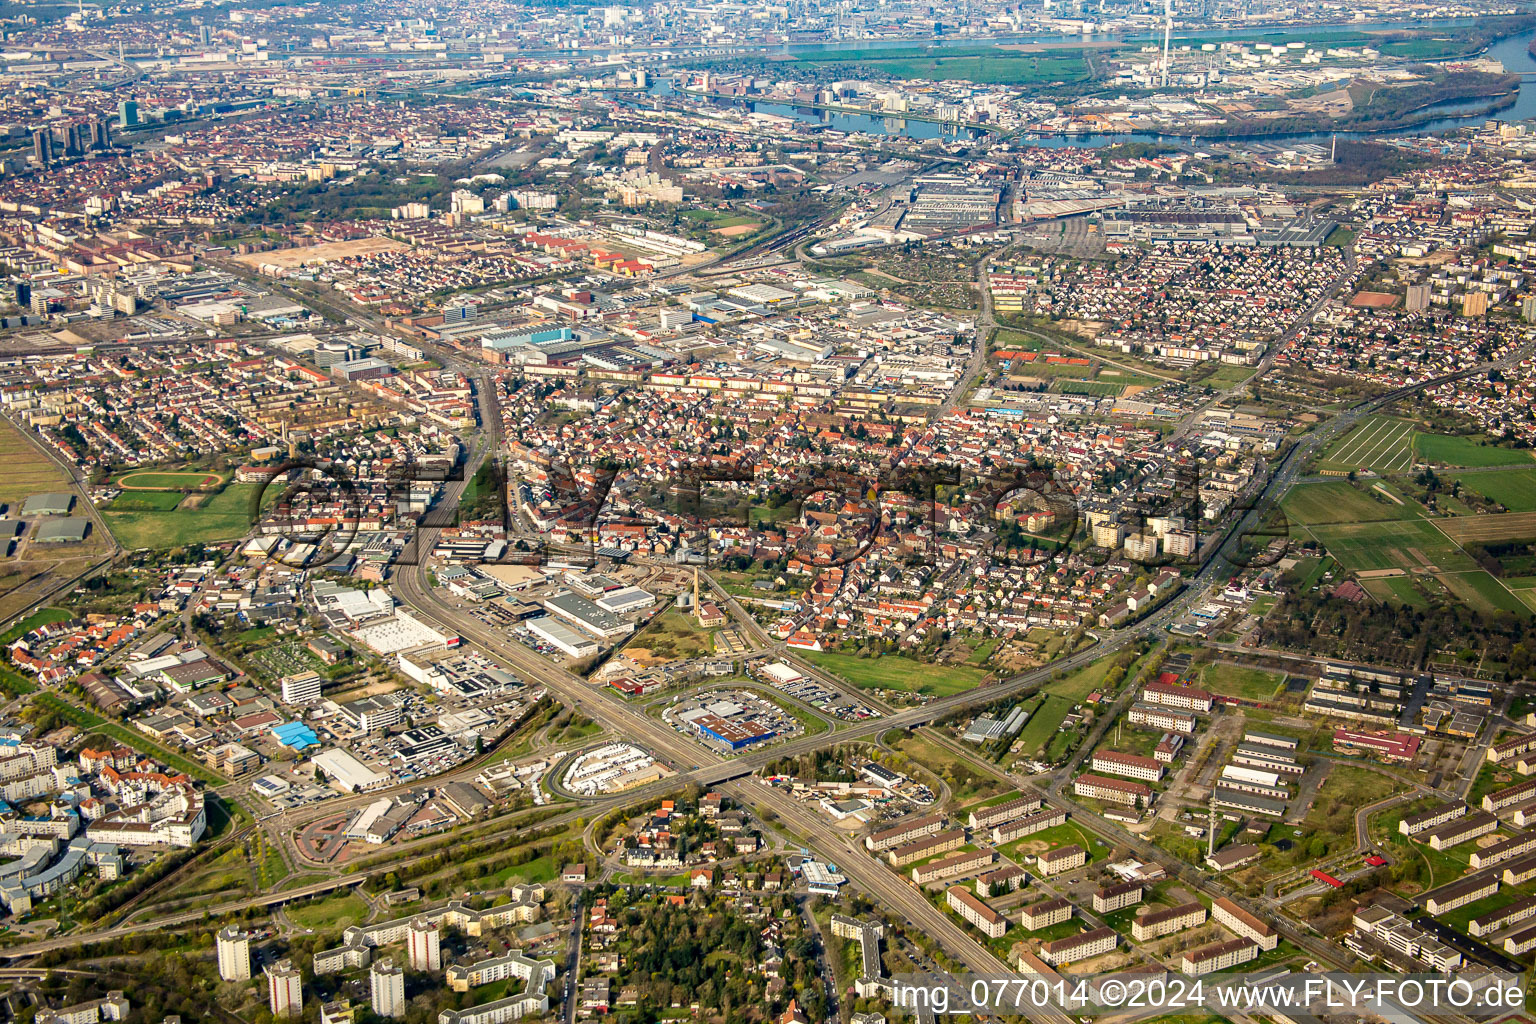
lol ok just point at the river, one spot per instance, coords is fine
(1511, 51)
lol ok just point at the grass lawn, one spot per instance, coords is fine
(967, 782)
(894, 672)
(1043, 725)
(1448, 450)
(89, 721)
(41, 617)
(1080, 684)
(1515, 489)
(1065, 834)
(1240, 681)
(1347, 787)
(540, 869)
(329, 914)
(1396, 590)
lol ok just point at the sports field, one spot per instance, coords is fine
(173, 480)
(1515, 489)
(1380, 443)
(220, 517)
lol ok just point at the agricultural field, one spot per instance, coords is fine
(27, 470)
(893, 672)
(1515, 489)
(1450, 450)
(1489, 529)
(1483, 592)
(1412, 545)
(1043, 726)
(1383, 444)
(196, 519)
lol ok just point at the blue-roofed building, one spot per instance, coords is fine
(296, 735)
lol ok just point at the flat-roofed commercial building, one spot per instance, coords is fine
(567, 639)
(583, 613)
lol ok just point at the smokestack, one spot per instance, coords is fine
(1167, 37)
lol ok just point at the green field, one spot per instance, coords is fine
(1396, 590)
(221, 517)
(1483, 592)
(1043, 725)
(330, 913)
(1240, 681)
(1448, 450)
(1515, 489)
(893, 672)
(146, 501)
(1339, 502)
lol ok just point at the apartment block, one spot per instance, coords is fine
(969, 906)
(1062, 858)
(1157, 923)
(1240, 922)
(1219, 956)
(1045, 913)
